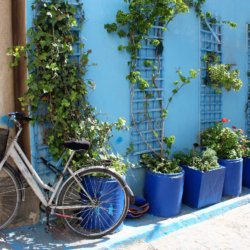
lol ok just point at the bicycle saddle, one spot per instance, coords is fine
(76, 145)
(19, 116)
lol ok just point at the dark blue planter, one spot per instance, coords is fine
(110, 211)
(246, 172)
(164, 193)
(233, 177)
(202, 189)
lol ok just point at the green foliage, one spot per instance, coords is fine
(17, 52)
(202, 161)
(197, 5)
(160, 164)
(135, 24)
(57, 91)
(244, 141)
(179, 84)
(221, 76)
(223, 140)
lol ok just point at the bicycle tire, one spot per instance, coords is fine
(106, 215)
(10, 195)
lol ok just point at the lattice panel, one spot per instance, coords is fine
(147, 123)
(210, 101)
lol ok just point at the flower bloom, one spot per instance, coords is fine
(224, 120)
(234, 127)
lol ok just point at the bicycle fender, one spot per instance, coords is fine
(131, 195)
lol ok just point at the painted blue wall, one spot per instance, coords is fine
(111, 96)
(181, 50)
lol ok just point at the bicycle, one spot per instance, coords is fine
(93, 201)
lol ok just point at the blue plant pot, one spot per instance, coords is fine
(110, 211)
(164, 193)
(233, 177)
(202, 189)
(246, 172)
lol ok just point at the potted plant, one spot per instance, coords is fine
(204, 177)
(221, 76)
(226, 143)
(245, 144)
(164, 183)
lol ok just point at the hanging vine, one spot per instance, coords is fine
(57, 85)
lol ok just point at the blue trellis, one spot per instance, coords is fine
(147, 122)
(210, 101)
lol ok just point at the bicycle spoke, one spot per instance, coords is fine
(9, 196)
(108, 200)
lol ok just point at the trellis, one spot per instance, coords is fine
(146, 105)
(210, 101)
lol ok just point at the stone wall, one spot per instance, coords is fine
(6, 74)
(12, 85)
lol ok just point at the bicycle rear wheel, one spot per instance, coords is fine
(106, 211)
(10, 195)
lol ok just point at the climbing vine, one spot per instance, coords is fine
(135, 24)
(198, 4)
(57, 86)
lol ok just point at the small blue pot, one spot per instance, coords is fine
(202, 189)
(246, 172)
(164, 193)
(233, 177)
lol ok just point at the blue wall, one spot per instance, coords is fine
(182, 50)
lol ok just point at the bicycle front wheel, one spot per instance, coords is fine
(10, 195)
(97, 202)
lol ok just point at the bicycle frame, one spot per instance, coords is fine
(23, 164)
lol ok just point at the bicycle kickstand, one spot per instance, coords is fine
(48, 226)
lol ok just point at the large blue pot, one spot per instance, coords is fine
(164, 193)
(233, 177)
(111, 209)
(246, 172)
(202, 189)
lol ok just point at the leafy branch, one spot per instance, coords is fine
(57, 85)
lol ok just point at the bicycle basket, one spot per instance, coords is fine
(4, 133)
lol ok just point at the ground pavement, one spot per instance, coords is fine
(221, 226)
(228, 231)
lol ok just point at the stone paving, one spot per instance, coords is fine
(225, 232)
(230, 231)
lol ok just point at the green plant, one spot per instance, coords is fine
(203, 161)
(221, 76)
(160, 164)
(57, 88)
(244, 141)
(135, 24)
(197, 5)
(223, 140)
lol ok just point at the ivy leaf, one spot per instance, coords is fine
(65, 103)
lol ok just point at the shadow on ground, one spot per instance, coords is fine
(149, 227)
